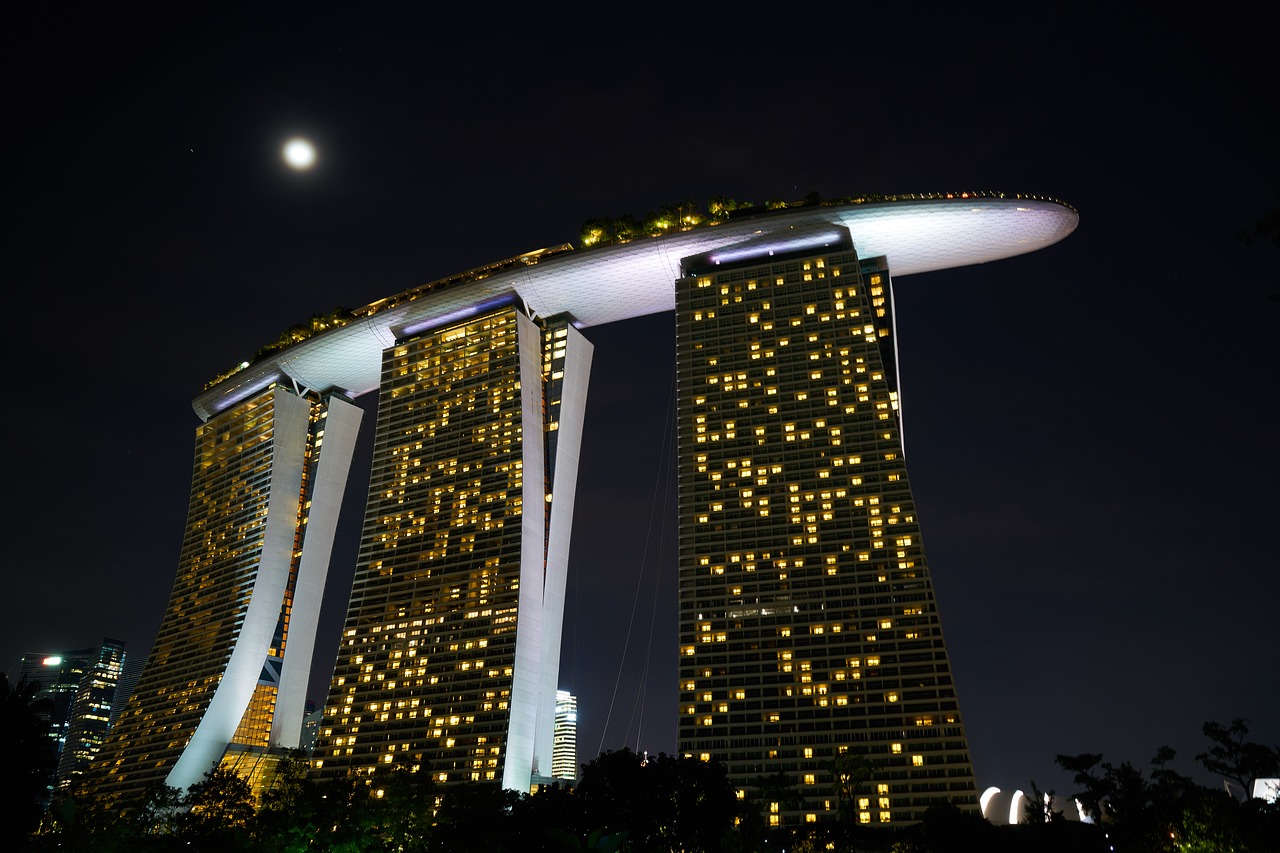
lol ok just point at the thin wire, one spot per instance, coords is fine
(657, 584)
(643, 560)
(638, 711)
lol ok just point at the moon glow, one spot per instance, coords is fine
(299, 154)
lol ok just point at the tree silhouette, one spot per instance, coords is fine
(1267, 227)
(1039, 807)
(1236, 759)
(848, 774)
(661, 803)
(217, 812)
(28, 757)
(158, 815)
(290, 812)
(473, 816)
(1094, 787)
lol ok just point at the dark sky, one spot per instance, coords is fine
(1090, 428)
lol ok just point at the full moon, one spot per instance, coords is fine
(299, 154)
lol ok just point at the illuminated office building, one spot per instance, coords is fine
(76, 689)
(229, 668)
(57, 676)
(450, 653)
(809, 632)
(133, 666)
(90, 717)
(310, 730)
(564, 750)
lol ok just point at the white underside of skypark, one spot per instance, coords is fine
(611, 283)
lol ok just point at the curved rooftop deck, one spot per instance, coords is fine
(610, 283)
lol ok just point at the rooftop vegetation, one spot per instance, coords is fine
(595, 233)
(295, 334)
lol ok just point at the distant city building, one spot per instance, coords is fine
(90, 718)
(80, 687)
(310, 730)
(564, 749)
(133, 666)
(58, 675)
(809, 630)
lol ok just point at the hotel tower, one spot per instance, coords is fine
(227, 676)
(810, 638)
(809, 633)
(450, 653)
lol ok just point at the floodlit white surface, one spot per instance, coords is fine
(985, 799)
(257, 628)
(607, 284)
(1007, 808)
(526, 681)
(564, 482)
(1017, 806)
(342, 426)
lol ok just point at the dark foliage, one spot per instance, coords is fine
(630, 803)
(27, 757)
(1232, 757)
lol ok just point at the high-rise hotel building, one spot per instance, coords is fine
(809, 632)
(810, 642)
(451, 648)
(228, 672)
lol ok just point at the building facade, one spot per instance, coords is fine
(564, 755)
(133, 666)
(79, 686)
(450, 651)
(810, 642)
(228, 672)
(810, 638)
(90, 718)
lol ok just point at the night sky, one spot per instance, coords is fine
(1090, 428)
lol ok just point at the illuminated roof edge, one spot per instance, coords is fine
(611, 283)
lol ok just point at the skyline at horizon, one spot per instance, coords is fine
(1105, 575)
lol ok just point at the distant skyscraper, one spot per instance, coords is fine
(90, 717)
(564, 752)
(80, 685)
(809, 633)
(450, 653)
(58, 675)
(230, 665)
(133, 666)
(310, 730)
